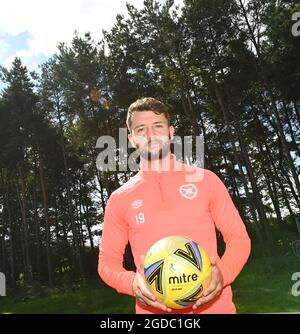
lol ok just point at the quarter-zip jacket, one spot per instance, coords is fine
(153, 205)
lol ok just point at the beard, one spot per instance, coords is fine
(156, 154)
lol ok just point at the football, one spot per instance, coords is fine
(177, 270)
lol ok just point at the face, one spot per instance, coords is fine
(151, 134)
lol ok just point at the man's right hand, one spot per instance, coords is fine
(141, 291)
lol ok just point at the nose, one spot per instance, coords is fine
(150, 132)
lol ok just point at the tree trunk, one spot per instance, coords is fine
(11, 240)
(234, 183)
(288, 121)
(270, 155)
(88, 225)
(244, 154)
(297, 111)
(3, 247)
(69, 197)
(272, 100)
(47, 221)
(101, 185)
(186, 88)
(83, 201)
(273, 195)
(256, 193)
(264, 148)
(37, 232)
(235, 153)
(22, 201)
(58, 242)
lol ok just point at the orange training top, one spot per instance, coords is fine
(153, 205)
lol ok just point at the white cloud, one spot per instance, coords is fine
(4, 47)
(52, 21)
(49, 22)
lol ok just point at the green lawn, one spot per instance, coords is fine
(87, 300)
(263, 286)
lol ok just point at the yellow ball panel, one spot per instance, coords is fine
(177, 271)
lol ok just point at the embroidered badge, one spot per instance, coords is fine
(188, 191)
(136, 203)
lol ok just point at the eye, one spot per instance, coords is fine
(140, 130)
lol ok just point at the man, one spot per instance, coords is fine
(159, 202)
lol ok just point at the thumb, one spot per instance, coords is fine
(213, 261)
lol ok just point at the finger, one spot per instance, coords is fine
(143, 299)
(156, 305)
(203, 300)
(213, 261)
(213, 283)
(143, 288)
(212, 287)
(149, 299)
(141, 267)
(209, 297)
(143, 294)
(160, 306)
(146, 294)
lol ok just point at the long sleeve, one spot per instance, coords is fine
(112, 246)
(232, 228)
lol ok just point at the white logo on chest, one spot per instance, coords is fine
(136, 204)
(188, 191)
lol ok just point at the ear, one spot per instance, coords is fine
(172, 131)
(131, 139)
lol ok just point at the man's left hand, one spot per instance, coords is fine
(215, 287)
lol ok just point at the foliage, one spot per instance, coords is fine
(228, 70)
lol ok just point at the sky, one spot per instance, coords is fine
(32, 29)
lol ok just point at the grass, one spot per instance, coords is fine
(95, 299)
(264, 286)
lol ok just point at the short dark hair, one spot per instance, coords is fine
(146, 104)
